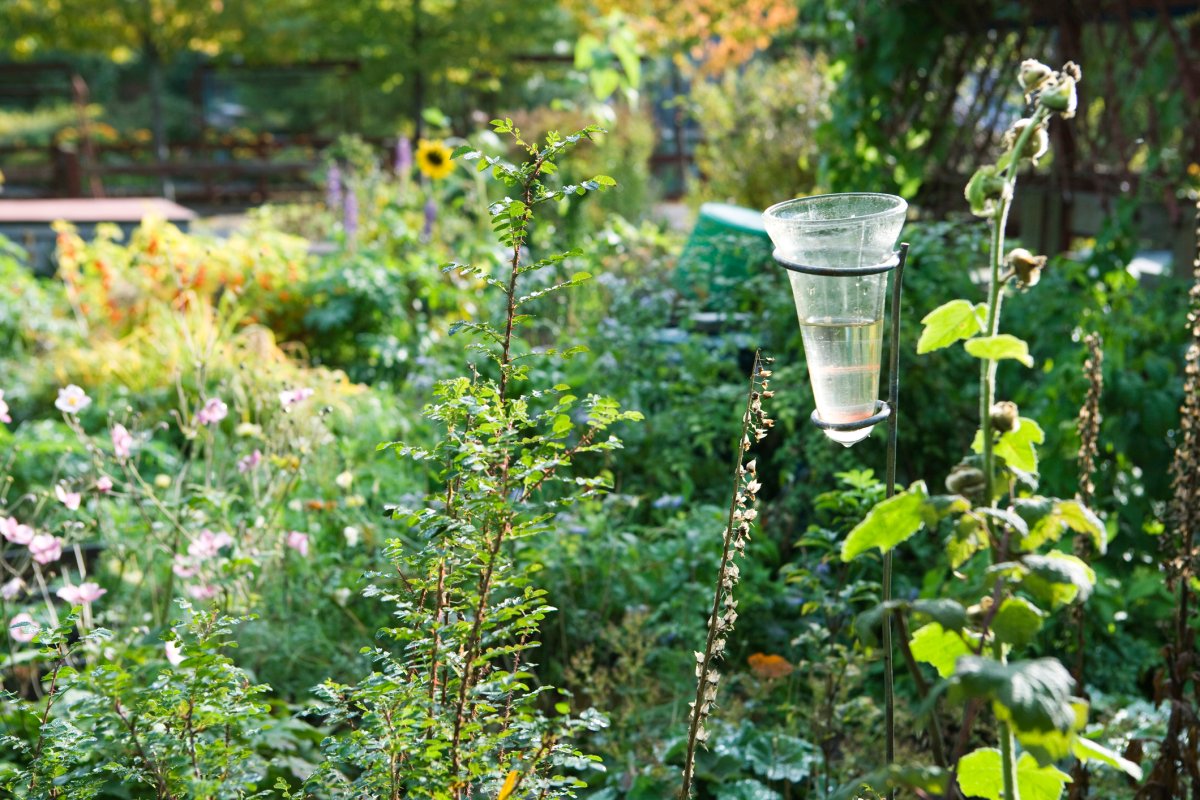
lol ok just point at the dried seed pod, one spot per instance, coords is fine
(1026, 266)
(1033, 74)
(1006, 417)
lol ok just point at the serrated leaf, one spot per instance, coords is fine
(1035, 695)
(748, 789)
(1017, 622)
(1017, 447)
(948, 613)
(948, 323)
(1081, 519)
(998, 347)
(934, 645)
(889, 523)
(980, 775)
(1057, 578)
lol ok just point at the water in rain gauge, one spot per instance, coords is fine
(831, 239)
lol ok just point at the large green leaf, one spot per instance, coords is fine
(950, 614)
(1049, 519)
(1057, 578)
(746, 790)
(932, 644)
(930, 780)
(779, 757)
(948, 323)
(1017, 447)
(889, 523)
(980, 775)
(1017, 622)
(1000, 346)
(1034, 695)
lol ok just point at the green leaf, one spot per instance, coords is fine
(604, 180)
(746, 790)
(1003, 345)
(1057, 578)
(889, 523)
(1081, 519)
(948, 613)
(931, 781)
(1017, 447)
(1017, 622)
(980, 774)
(948, 323)
(1035, 694)
(1088, 750)
(934, 645)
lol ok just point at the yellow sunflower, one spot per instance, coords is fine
(433, 159)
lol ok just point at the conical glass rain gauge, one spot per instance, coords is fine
(838, 250)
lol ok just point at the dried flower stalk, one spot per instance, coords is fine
(742, 513)
(1089, 447)
(1178, 762)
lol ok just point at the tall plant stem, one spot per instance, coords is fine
(987, 394)
(987, 370)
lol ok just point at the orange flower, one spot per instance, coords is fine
(770, 667)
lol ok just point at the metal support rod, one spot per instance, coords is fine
(889, 698)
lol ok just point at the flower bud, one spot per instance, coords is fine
(1026, 265)
(1032, 75)
(966, 480)
(1035, 146)
(1006, 417)
(985, 187)
(1060, 96)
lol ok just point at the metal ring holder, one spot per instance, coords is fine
(883, 411)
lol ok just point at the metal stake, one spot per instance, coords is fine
(889, 699)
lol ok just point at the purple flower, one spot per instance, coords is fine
(350, 215)
(214, 411)
(122, 441)
(404, 156)
(431, 212)
(4, 417)
(291, 397)
(247, 463)
(298, 541)
(333, 187)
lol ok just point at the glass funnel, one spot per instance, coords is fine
(841, 315)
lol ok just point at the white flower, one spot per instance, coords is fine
(213, 412)
(15, 532)
(83, 594)
(72, 400)
(26, 632)
(291, 397)
(69, 499)
(352, 535)
(344, 480)
(4, 417)
(174, 653)
(299, 542)
(45, 549)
